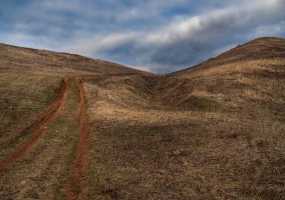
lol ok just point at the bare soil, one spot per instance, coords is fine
(76, 187)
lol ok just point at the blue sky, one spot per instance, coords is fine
(155, 35)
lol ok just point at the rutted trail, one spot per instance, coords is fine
(214, 131)
(52, 165)
(37, 128)
(76, 186)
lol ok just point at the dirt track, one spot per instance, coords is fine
(37, 128)
(76, 185)
(58, 157)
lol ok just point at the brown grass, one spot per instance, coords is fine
(211, 132)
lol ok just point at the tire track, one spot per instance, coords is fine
(37, 128)
(76, 186)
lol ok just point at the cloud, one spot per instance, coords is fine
(163, 36)
(194, 38)
(189, 39)
(101, 43)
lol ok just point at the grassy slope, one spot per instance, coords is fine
(23, 98)
(210, 132)
(27, 59)
(29, 82)
(43, 172)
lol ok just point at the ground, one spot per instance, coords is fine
(215, 131)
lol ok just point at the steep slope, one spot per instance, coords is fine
(213, 131)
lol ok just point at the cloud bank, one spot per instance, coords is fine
(162, 36)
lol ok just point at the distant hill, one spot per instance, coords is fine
(43, 60)
(76, 128)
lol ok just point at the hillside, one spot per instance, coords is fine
(76, 128)
(17, 58)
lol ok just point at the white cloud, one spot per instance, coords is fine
(90, 45)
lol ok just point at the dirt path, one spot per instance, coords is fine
(37, 128)
(52, 163)
(76, 186)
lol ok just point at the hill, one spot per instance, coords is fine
(77, 128)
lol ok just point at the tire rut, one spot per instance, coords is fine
(37, 128)
(76, 187)
(52, 165)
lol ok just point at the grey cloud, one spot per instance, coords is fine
(138, 34)
(188, 41)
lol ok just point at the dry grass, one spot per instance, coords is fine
(212, 132)
(23, 98)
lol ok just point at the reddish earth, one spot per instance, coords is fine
(37, 128)
(76, 185)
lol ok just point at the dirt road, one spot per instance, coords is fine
(76, 187)
(37, 128)
(52, 163)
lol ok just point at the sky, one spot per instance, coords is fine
(154, 35)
